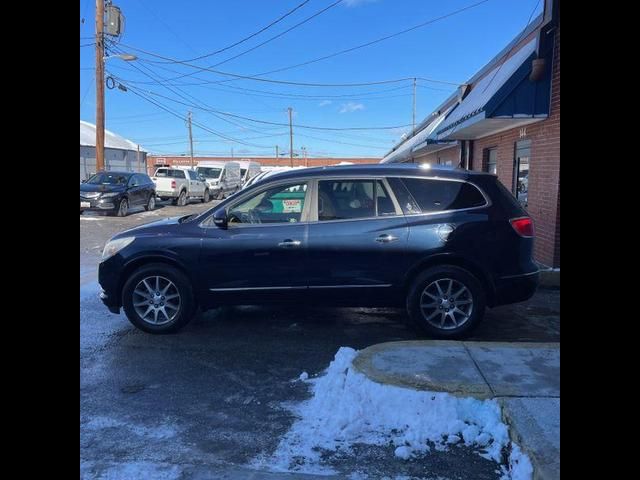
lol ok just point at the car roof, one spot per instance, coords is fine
(379, 169)
(115, 172)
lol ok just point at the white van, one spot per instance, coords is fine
(223, 178)
(248, 169)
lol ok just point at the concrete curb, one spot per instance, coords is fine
(535, 434)
(550, 278)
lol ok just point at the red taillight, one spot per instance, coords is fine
(523, 226)
(173, 184)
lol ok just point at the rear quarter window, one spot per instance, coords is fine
(440, 195)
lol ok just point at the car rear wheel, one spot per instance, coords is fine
(151, 204)
(158, 298)
(123, 208)
(182, 199)
(446, 302)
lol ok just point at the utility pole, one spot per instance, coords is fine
(290, 136)
(138, 160)
(306, 160)
(190, 137)
(414, 105)
(277, 152)
(99, 85)
(231, 152)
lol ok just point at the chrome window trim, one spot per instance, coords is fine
(312, 192)
(487, 200)
(303, 287)
(378, 285)
(240, 289)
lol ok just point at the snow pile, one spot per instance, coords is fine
(347, 408)
(520, 467)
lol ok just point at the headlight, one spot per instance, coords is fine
(114, 246)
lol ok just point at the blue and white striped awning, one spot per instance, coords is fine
(473, 107)
(427, 134)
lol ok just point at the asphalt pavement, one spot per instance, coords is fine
(202, 403)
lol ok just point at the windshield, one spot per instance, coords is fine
(108, 179)
(209, 172)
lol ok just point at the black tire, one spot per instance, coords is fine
(187, 302)
(182, 199)
(205, 197)
(151, 203)
(445, 273)
(123, 208)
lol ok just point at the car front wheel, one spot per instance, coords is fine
(205, 198)
(158, 298)
(446, 302)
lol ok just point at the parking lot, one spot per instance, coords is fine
(204, 402)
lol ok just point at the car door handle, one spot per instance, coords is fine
(386, 238)
(288, 243)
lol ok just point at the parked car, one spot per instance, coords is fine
(180, 184)
(223, 178)
(117, 192)
(248, 170)
(443, 243)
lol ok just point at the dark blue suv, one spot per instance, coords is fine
(444, 243)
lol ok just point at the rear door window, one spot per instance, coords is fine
(440, 195)
(351, 199)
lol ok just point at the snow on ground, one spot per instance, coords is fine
(97, 324)
(347, 408)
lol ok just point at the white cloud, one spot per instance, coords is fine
(351, 107)
(324, 103)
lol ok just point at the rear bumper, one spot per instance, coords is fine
(515, 288)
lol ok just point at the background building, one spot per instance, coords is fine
(506, 120)
(156, 161)
(119, 153)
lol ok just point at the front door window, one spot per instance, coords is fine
(281, 204)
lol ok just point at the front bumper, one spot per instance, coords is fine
(109, 280)
(98, 203)
(515, 288)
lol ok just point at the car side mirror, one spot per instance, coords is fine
(220, 218)
(83, 181)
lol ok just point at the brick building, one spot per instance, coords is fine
(155, 161)
(506, 120)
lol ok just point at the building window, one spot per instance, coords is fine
(521, 171)
(491, 160)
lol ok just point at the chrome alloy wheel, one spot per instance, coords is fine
(446, 304)
(156, 300)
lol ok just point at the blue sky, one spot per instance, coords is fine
(451, 50)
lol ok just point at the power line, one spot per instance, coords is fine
(282, 82)
(264, 121)
(341, 52)
(282, 17)
(177, 115)
(320, 12)
(378, 40)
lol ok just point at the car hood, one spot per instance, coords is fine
(166, 226)
(86, 187)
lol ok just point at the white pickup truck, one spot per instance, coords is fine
(180, 184)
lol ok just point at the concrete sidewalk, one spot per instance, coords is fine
(523, 377)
